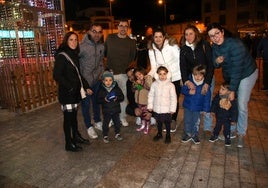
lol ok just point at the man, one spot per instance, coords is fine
(262, 51)
(91, 67)
(120, 51)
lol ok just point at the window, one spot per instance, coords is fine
(243, 16)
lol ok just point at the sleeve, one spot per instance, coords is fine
(209, 63)
(173, 98)
(183, 66)
(59, 72)
(119, 94)
(152, 63)
(185, 90)
(151, 96)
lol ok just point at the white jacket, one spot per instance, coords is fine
(162, 97)
(169, 57)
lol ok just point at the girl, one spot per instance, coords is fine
(142, 86)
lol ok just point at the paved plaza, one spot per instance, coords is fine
(32, 155)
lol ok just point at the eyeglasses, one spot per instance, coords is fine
(123, 26)
(216, 34)
(96, 32)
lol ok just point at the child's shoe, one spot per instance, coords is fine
(196, 140)
(118, 137)
(141, 128)
(213, 138)
(106, 139)
(227, 142)
(186, 138)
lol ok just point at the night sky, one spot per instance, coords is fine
(141, 12)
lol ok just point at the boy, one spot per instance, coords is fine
(110, 96)
(194, 103)
(225, 112)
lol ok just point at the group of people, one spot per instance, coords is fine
(97, 73)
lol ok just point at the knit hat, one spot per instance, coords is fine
(107, 74)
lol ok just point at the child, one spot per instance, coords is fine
(225, 112)
(162, 100)
(110, 96)
(142, 86)
(194, 103)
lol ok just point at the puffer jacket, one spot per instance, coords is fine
(91, 60)
(113, 106)
(162, 97)
(196, 102)
(238, 63)
(168, 56)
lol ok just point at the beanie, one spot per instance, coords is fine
(107, 74)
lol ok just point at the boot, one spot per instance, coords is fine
(70, 146)
(146, 129)
(158, 137)
(79, 139)
(141, 128)
(168, 139)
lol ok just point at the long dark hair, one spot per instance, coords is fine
(64, 45)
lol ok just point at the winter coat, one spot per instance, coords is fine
(168, 56)
(65, 74)
(113, 106)
(91, 60)
(223, 114)
(238, 63)
(196, 102)
(189, 58)
(263, 49)
(162, 97)
(141, 95)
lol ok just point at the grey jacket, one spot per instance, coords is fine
(91, 60)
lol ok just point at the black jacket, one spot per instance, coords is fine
(66, 76)
(113, 106)
(200, 55)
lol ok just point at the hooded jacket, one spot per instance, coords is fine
(91, 59)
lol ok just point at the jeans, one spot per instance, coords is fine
(85, 104)
(191, 122)
(243, 95)
(208, 120)
(121, 80)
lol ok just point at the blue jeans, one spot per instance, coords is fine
(243, 95)
(208, 120)
(85, 104)
(191, 122)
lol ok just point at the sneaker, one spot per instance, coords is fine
(173, 126)
(240, 142)
(111, 123)
(153, 121)
(118, 137)
(106, 139)
(138, 121)
(124, 122)
(221, 137)
(186, 138)
(98, 125)
(91, 133)
(196, 140)
(213, 138)
(227, 142)
(232, 136)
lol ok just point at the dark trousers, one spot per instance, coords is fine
(226, 128)
(265, 74)
(178, 91)
(107, 117)
(163, 119)
(70, 125)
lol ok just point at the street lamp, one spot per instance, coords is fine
(111, 1)
(163, 2)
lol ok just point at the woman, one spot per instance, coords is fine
(195, 51)
(238, 68)
(70, 84)
(165, 52)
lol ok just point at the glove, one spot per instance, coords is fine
(111, 96)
